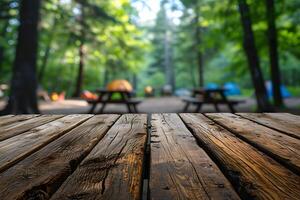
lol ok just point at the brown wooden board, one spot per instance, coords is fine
(5, 117)
(113, 169)
(180, 169)
(14, 129)
(254, 174)
(282, 147)
(20, 146)
(284, 122)
(11, 119)
(39, 175)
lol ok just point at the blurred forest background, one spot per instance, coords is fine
(83, 45)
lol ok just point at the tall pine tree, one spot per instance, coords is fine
(23, 93)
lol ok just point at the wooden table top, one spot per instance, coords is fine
(210, 90)
(105, 91)
(159, 156)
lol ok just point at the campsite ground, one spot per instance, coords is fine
(152, 105)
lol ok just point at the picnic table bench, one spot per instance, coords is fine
(106, 97)
(159, 156)
(210, 96)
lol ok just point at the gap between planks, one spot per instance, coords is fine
(146, 164)
(113, 169)
(76, 164)
(279, 146)
(180, 168)
(24, 123)
(9, 119)
(21, 146)
(276, 121)
(253, 174)
(41, 174)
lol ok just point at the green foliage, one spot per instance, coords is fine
(222, 41)
(295, 91)
(112, 42)
(116, 47)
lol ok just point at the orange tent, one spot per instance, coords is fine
(122, 85)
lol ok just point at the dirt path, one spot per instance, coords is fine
(152, 105)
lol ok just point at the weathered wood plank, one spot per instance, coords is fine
(41, 173)
(284, 122)
(11, 119)
(5, 116)
(14, 129)
(113, 170)
(20, 146)
(255, 175)
(280, 146)
(180, 169)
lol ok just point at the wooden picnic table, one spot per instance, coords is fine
(210, 96)
(158, 156)
(107, 97)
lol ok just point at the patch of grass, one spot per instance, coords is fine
(247, 92)
(294, 90)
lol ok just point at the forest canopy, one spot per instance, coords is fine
(84, 44)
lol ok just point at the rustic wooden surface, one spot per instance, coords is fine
(254, 174)
(159, 156)
(113, 170)
(180, 169)
(48, 166)
(20, 146)
(283, 147)
(23, 124)
(284, 122)
(10, 119)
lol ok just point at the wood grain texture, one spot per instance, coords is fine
(280, 146)
(255, 175)
(22, 126)
(39, 175)
(5, 117)
(11, 119)
(284, 122)
(113, 170)
(20, 146)
(180, 169)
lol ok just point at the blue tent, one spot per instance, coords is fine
(211, 86)
(285, 93)
(232, 89)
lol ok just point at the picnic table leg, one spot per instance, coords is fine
(135, 108)
(102, 108)
(129, 108)
(186, 107)
(216, 107)
(199, 106)
(231, 108)
(104, 103)
(92, 108)
(125, 97)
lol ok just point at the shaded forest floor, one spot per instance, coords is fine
(153, 105)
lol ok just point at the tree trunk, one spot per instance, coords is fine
(199, 52)
(44, 63)
(169, 68)
(192, 74)
(253, 59)
(134, 81)
(47, 53)
(23, 93)
(274, 58)
(3, 35)
(105, 77)
(79, 81)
